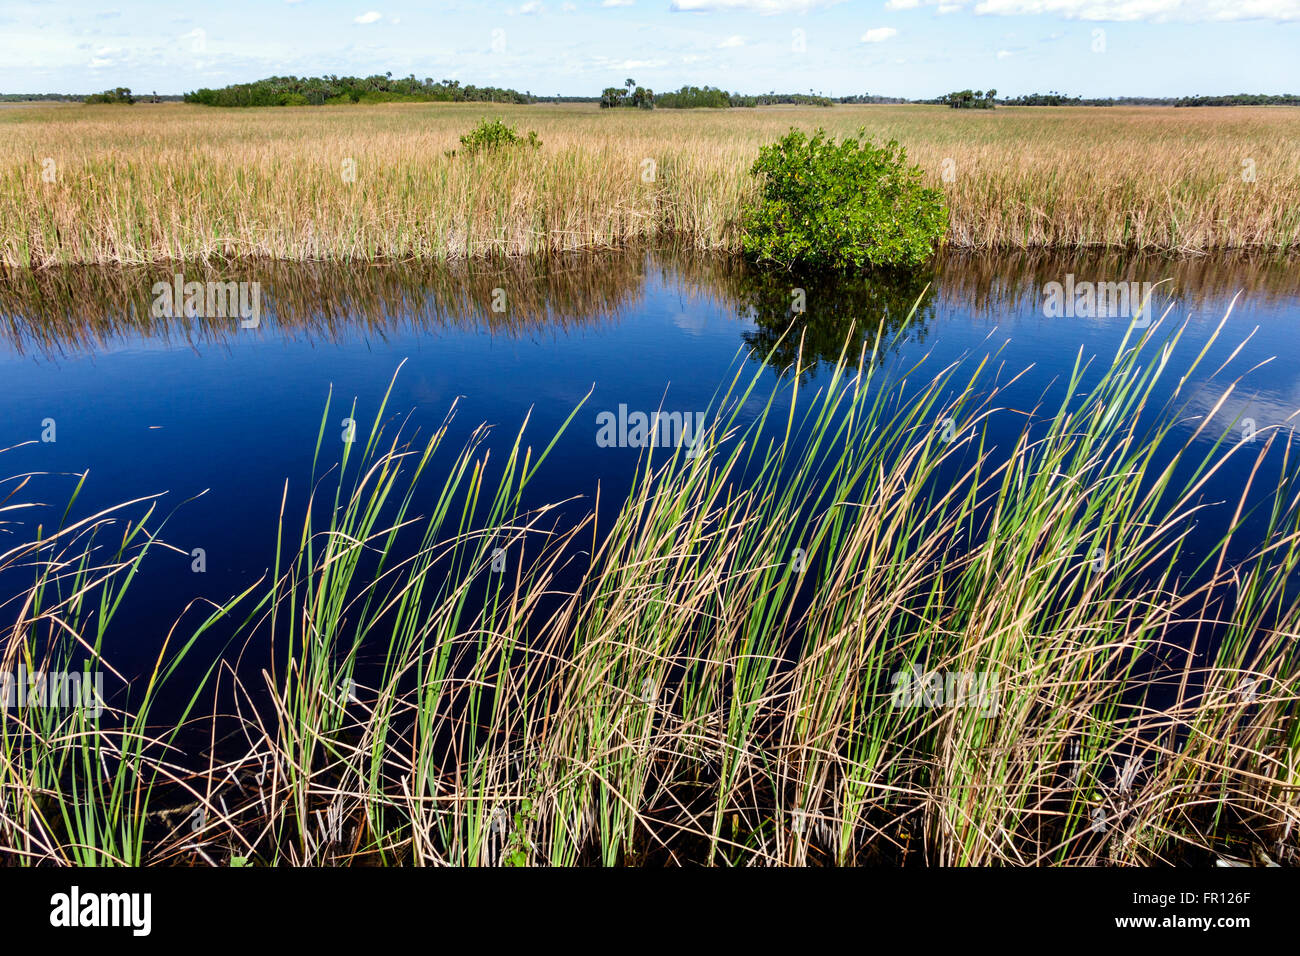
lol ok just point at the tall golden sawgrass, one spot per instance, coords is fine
(148, 183)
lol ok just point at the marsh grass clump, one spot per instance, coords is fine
(491, 135)
(841, 205)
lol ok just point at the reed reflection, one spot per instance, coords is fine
(89, 309)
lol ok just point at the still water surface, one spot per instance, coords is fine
(220, 417)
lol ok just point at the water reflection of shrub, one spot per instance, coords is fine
(840, 315)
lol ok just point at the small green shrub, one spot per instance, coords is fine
(491, 135)
(841, 205)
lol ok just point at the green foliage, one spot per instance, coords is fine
(774, 98)
(970, 99)
(1241, 99)
(121, 94)
(491, 135)
(640, 96)
(841, 205)
(515, 852)
(1051, 98)
(39, 98)
(695, 97)
(702, 97)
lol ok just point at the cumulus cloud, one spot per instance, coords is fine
(368, 17)
(879, 34)
(1082, 9)
(765, 7)
(1187, 11)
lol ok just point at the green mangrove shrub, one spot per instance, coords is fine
(841, 205)
(491, 135)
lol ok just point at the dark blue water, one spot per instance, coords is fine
(217, 418)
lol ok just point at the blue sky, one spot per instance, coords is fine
(912, 48)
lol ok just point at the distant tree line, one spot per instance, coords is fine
(969, 99)
(1241, 99)
(777, 99)
(867, 98)
(698, 97)
(120, 94)
(315, 91)
(319, 90)
(1044, 99)
(1237, 99)
(629, 94)
(41, 97)
(694, 97)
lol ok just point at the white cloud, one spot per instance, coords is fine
(607, 64)
(1135, 10)
(1187, 11)
(945, 6)
(879, 34)
(369, 17)
(1254, 9)
(616, 3)
(765, 7)
(1081, 9)
(1003, 54)
(731, 42)
(531, 7)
